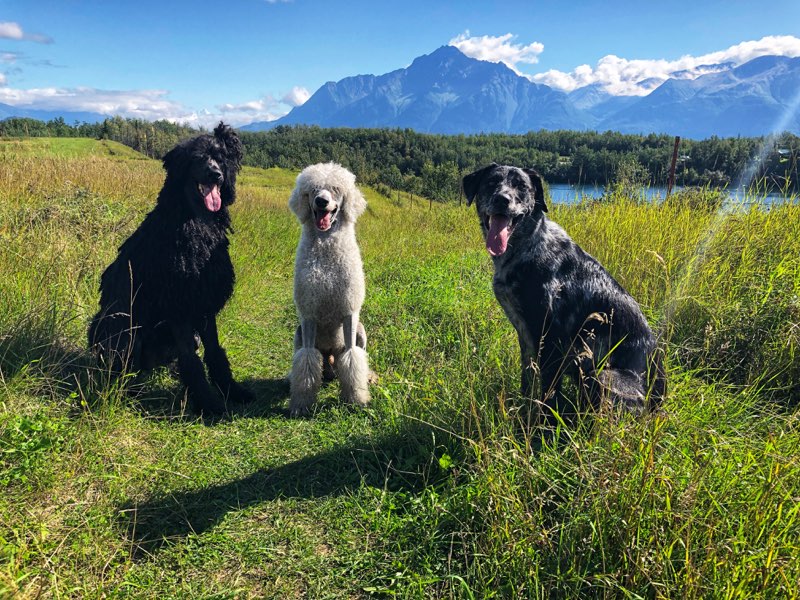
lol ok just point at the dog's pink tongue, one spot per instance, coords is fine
(497, 238)
(324, 221)
(212, 198)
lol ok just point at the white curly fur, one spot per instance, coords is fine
(354, 375)
(306, 379)
(329, 284)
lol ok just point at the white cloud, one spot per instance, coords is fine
(13, 31)
(10, 57)
(498, 49)
(248, 107)
(148, 104)
(623, 77)
(296, 96)
(144, 104)
(265, 109)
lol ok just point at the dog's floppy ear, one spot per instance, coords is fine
(232, 148)
(472, 182)
(230, 140)
(538, 188)
(176, 160)
(354, 203)
(298, 201)
(297, 205)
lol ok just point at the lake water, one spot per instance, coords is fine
(564, 193)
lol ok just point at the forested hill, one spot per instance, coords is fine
(432, 165)
(151, 138)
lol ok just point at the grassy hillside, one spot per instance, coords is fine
(111, 489)
(66, 147)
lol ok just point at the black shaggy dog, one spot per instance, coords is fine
(571, 316)
(174, 274)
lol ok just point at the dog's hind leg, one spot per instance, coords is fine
(328, 372)
(619, 388)
(112, 338)
(352, 365)
(219, 368)
(306, 375)
(157, 347)
(361, 336)
(361, 342)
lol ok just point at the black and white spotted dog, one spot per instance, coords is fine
(571, 316)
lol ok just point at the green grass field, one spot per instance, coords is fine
(114, 489)
(66, 147)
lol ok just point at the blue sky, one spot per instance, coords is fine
(247, 60)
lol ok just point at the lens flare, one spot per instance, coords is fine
(732, 203)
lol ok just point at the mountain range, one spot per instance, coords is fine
(449, 92)
(70, 117)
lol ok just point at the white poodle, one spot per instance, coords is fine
(328, 288)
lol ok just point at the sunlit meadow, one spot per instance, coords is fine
(113, 488)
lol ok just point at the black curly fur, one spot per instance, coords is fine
(174, 274)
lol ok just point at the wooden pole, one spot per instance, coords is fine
(671, 182)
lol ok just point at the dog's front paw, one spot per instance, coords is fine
(305, 380)
(354, 376)
(301, 402)
(206, 402)
(299, 412)
(360, 399)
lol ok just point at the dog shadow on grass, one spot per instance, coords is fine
(33, 349)
(58, 367)
(403, 461)
(66, 371)
(168, 401)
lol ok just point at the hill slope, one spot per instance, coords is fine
(68, 147)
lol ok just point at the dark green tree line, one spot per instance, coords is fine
(432, 165)
(152, 138)
(377, 156)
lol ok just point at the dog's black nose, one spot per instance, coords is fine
(214, 174)
(321, 202)
(213, 171)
